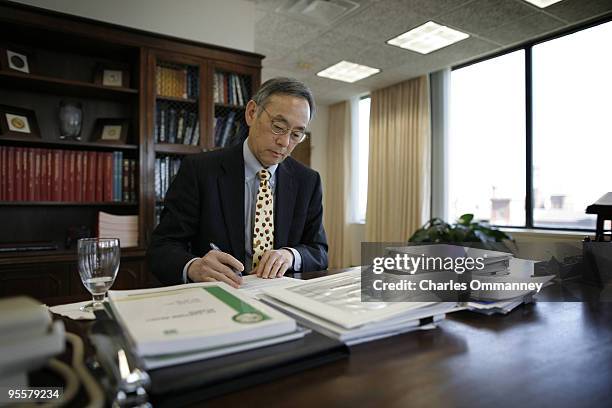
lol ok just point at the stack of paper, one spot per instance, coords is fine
(502, 284)
(333, 306)
(183, 323)
(124, 227)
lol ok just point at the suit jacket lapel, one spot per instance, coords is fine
(285, 202)
(231, 191)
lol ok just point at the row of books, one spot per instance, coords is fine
(229, 130)
(166, 167)
(177, 82)
(35, 174)
(124, 227)
(176, 126)
(230, 89)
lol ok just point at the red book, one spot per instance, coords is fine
(31, 177)
(90, 181)
(3, 173)
(24, 174)
(44, 175)
(108, 177)
(19, 174)
(56, 175)
(73, 171)
(100, 176)
(37, 174)
(125, 185)
(8, 161)
(49, 172)
(66, 176)
(78, 176)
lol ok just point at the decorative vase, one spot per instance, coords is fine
(70, 120)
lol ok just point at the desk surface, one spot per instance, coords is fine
(545, 354)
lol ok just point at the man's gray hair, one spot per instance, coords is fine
(284, 86)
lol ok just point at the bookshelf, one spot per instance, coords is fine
(146, 102)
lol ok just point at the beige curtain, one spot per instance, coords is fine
(399, 162)
(337, 184)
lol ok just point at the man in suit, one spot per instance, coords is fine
(249, 208)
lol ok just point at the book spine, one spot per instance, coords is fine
(163, 117)
(100, 157)
(90, 186)
(78, 177)
(43, 176)
(172, 122)
(31, 170)
(133, 188)
(119, 177)
(9, 173)
(157, 178)
(125, 184)
(57, 178)
(195, 140)
(180, 128)
(183, 77)
(108, 177)
(84, 176)
(73, 176)
(18, 164)
(25, 158)
(49, 155)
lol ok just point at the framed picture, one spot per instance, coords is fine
(113, 131)
(16, 59)
(115, 76)
(18, 122)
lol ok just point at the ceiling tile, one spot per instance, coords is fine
(524, 29)
(485, 15)
(290, 33)
(381, 21)
(578, 10)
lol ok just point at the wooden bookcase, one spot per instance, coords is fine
(65, 57)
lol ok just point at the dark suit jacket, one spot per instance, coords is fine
(205, 204)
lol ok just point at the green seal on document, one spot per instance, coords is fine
(248, 317)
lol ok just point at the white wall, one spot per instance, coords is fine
(228, 23)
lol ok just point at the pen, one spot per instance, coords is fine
(216, 248)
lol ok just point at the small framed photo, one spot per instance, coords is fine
(114, 76)
(16, 59)
(18, 122)
(112, 131)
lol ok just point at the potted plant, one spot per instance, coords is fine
(465, 230)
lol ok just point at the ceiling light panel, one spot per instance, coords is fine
(348, 72)
(542, 3)
(428, 37)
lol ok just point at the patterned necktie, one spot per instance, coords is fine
(263, 228)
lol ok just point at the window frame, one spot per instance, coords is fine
(528, 48)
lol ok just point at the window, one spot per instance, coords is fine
(486, 152)
(360, 158)
(572, 127)
(570, 134)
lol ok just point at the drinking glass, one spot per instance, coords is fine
(98, 265)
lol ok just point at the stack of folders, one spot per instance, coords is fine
(333, 306)
(185, 323)
(124, 227)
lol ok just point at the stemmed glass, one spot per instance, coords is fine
(98, 265)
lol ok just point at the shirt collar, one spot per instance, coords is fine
(252, 165)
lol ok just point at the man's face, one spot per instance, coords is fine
(290, 111)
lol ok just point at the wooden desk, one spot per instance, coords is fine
(545, 354)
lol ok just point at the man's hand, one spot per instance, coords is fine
(274, 264)
(216, 266)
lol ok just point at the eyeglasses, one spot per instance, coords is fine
(279, 127)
